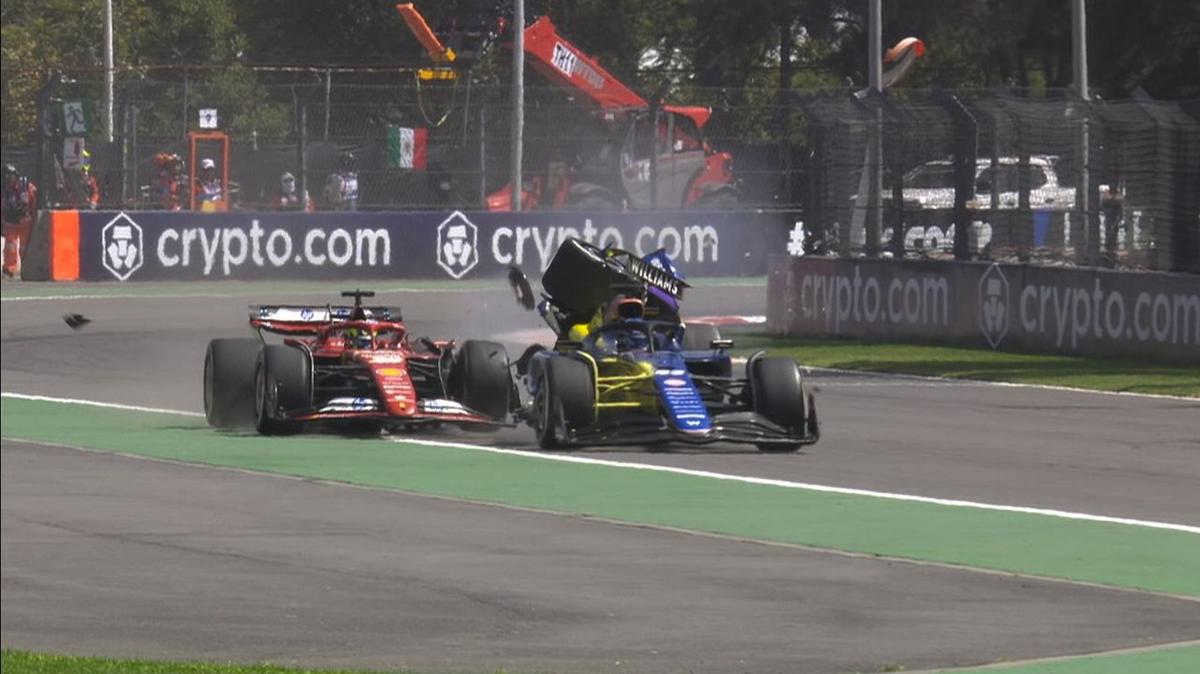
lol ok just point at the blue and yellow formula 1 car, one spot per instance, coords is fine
(626, 370)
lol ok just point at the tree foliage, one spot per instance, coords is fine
(735, 48)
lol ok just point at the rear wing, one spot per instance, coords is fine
(307, 319)
(649, 274)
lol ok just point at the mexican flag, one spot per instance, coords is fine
(406, 147)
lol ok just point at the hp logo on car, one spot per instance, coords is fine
(457, 245)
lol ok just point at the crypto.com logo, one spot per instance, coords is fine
(993, 305)
(121, 247)
(457, 245)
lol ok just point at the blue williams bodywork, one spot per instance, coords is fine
(619, 371)
(649, 390)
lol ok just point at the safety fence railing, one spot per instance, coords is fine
(981, 174)
(1005, 176)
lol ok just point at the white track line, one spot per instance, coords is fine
(97, 403)
(566, 458)
(1064, 514)
(869, 374)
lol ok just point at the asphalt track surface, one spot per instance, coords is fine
(110, 555)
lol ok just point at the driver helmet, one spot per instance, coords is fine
(358, 338)
(631, 340)
(624, 307)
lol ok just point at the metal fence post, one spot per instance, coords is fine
(784, 112)
(1185, 207)
(1089, 225)
(813, 205)
(328, 96)
(897, 210)
(654, 153)
(43, 135)
(184, 116)
(1024, 217)
(302, 151)
(966, 148)
(994, 188)
(873, 226)
(482, 155)
(125, 104)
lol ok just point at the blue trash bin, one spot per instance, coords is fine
(1041, 227)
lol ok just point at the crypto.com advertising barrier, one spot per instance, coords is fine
(144, 246)
(1076, 311)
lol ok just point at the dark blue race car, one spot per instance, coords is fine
(631, 372)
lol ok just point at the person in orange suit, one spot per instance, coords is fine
(20, 207)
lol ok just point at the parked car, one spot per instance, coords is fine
(928, 192)
(931, 185)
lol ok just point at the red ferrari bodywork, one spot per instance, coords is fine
(367, 368)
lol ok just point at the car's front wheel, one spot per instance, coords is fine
(283, 382)
(781, 396)
(484, 378)
(229, 382)
(565, 400)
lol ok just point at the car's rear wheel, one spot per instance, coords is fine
(565, 400)
(229, 382)
(781, 397)
(283, 383)
(484, 378)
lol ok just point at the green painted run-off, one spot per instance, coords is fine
(1119, 555)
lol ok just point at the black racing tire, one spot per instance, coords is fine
(484, 378)
(565, 399)
(699, 336)
(780, 396)
(580, 279)
(229, 382)
(282, 381)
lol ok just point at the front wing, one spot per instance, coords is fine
(427, 413)
(735, 427)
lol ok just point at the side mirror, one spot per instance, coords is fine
(721, 344)
(521, 287)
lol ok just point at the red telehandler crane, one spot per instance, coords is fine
(645, 155)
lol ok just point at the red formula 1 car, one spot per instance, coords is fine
(355, 367)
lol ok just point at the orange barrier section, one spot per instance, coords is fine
(64, 245)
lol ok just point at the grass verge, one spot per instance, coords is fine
(25, 662)
(1169, 660)
(1101, 374)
